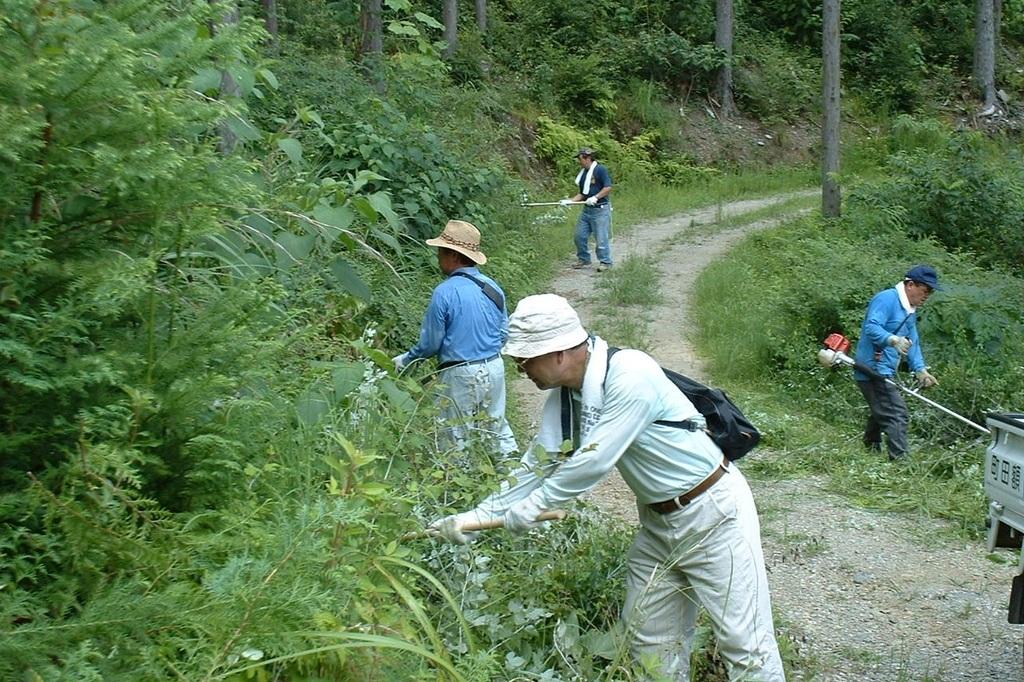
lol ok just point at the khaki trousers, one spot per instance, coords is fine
(705, 554)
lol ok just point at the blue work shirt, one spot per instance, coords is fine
(461, 323)
(602, 178)
(887, 316)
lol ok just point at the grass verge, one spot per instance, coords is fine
(812, 420)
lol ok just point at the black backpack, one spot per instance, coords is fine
(733, 433)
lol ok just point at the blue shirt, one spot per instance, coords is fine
(886, 316)
(600, 180)
(461, 323)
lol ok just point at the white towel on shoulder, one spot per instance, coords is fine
(590, 176)
(591, 397)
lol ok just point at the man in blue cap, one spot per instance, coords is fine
(888, 334)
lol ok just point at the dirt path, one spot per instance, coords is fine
(864, 595)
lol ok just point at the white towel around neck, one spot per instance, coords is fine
(591, 398)
(590, 176)
(901, 289)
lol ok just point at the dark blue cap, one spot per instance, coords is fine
(924, 274)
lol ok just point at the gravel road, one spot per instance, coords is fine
(865, 596)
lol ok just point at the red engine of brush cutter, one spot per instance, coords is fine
(837, 342)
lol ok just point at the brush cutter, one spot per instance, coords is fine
(552, 203)
(834, 354)
(490, 524)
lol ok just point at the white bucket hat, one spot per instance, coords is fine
(458, 235)
(541, 324)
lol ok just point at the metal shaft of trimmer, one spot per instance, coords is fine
(831, 358)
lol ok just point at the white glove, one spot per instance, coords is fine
(925, 378)
(400, 361)
(900, 343)
(564, 202)
(522, 516)
(451, 527)
(591, 201)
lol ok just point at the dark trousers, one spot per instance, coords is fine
(888, 415)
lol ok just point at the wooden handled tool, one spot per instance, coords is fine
(490, 524)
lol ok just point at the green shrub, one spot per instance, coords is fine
(583, 90)
(1012, 25)
(632, 161)
(642, 105)
(666, 57)
(941, 27)
(961, 195)
(881, 53)
(911, 135)
(467, 64)
(429, 172)
(799, 20)
(788, 309)
(774, 82)
(681, 174)
(550, 602)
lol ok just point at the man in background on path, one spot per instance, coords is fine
(465, 325)
(699, 541)
(888, 334)
(595, 184)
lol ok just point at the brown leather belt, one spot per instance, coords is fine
(676, 503)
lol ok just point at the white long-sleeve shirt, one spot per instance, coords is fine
(657, 462)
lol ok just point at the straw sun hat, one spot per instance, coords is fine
(458, 235)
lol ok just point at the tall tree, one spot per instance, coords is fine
(270, 18)
(373, 29)
(723, 41)
(997, 22)
(481, 16)
(229, 87)
(451, 27)
(985, 51)
(830, 19)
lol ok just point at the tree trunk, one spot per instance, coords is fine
(270, 19)
(228, 85)
(481, 16)
(451, 27)
(830, 197)
(373, 29)
(997, 24)
(723, 41)
(984, 51)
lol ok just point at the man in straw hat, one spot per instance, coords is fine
(465, 325)
(699, 541)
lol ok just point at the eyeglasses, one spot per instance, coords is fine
(521, 363)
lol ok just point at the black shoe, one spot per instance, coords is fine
(873, 446)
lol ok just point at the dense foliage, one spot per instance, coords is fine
(789, 288)
(210, 245)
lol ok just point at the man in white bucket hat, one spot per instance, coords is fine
(699, 542)
(465, 325)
